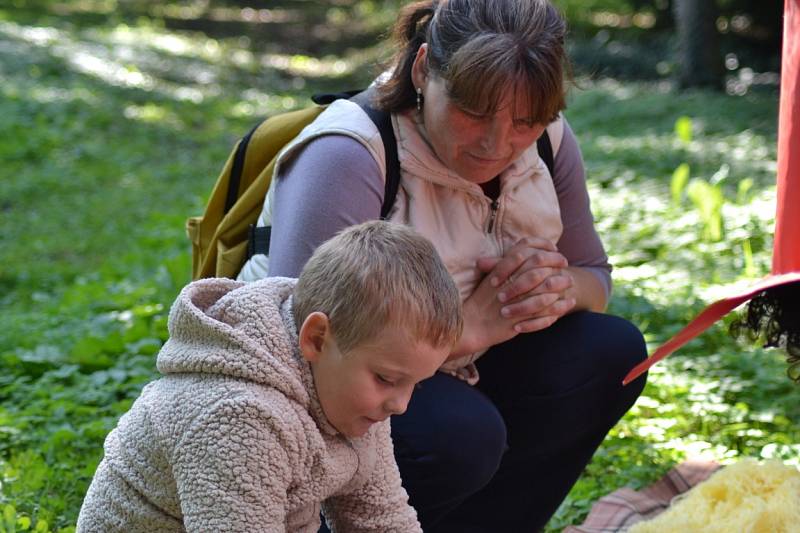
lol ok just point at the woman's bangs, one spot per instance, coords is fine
(543, 98)
(478, 91)
(479, 85)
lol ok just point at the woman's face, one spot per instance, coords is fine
(475, 147)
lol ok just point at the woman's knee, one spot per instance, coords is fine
(625, 343)
(613, 344)
(620, 347)
(471, 448)
(579, 349)
(452, 439)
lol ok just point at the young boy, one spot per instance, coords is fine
(275, 397)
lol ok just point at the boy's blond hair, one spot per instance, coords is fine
(375, 274)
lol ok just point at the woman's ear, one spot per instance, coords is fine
(313, 336)
(419, 69)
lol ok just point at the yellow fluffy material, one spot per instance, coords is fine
(743, 497)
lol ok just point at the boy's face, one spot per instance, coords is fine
(373, 381)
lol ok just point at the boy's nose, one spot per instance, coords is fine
(397, 405)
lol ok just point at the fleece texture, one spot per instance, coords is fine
(233, 438)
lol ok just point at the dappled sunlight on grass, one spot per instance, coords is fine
(670, 255)
(692, 410)
(85, 6)
(616, 20)
(227, 14)
(154, 113)
(301, 65)
(735, 149)
(54, 94)
(106, 61)
(186, 68)
(172, 44)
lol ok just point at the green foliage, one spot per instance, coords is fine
(638, 38)
(708, 200)
(13, 522)
(683, 129)
(679, 180)
(115, 126)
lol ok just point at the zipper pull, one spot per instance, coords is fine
(492, 216)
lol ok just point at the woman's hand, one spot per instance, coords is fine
(533, 268)
(484, 324)
(521, 292)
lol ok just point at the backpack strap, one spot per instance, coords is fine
(545, 148)
(383, 121)
(259, 237)
(236, 170)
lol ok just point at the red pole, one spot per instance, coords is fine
(786, 251)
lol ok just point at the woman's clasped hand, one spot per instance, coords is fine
(525, 290)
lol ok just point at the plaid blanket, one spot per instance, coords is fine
(625, 507)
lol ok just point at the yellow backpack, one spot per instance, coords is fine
(225, 236)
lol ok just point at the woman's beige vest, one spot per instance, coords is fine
(450, 211)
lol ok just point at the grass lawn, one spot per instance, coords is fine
(113, 130)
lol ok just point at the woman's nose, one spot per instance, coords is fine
(494, 137)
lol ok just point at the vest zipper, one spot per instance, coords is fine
(492, 216)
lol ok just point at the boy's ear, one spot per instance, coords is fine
(313, 335)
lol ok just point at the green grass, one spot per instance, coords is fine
(113, 131)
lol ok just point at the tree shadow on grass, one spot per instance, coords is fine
(639, 132)
(84, 102)
(287, 26)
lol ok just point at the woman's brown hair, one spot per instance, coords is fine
(480, 48)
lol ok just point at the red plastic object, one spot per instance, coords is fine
(786, 247)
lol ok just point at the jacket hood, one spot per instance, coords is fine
(242, 330)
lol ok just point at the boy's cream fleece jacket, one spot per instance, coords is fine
(233, 437)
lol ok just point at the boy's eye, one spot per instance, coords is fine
(384, 379)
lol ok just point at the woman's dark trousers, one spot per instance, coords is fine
(501, 456)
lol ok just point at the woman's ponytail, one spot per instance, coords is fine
(410, 32)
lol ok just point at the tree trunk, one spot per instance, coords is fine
(699, 59)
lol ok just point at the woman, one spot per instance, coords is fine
(495, 442)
